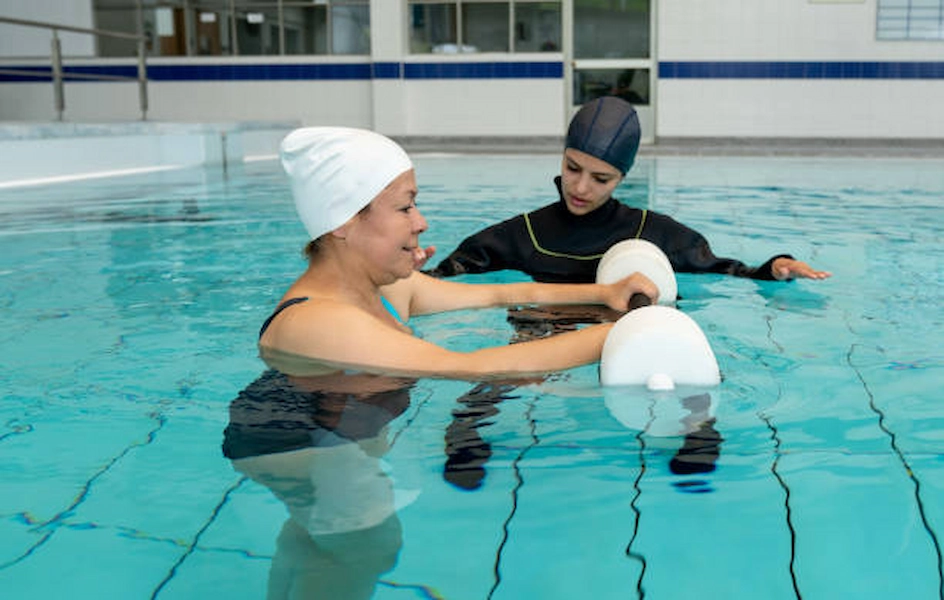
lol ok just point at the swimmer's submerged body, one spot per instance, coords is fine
(318, 444)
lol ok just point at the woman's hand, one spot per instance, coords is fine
(421, 256)
(788, 268)
(618, 294)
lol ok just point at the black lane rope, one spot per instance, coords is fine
(893, 441)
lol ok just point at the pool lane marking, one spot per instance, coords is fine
(893, 441)
(637, 514)
(192, 546)
(59, 517)
(778, 454)
(775, 436)
(519, 483)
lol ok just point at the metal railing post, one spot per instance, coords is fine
(57, 71)
(281, 29)
(59, 99)
(234, 41)
(142, 79)
(142, 67)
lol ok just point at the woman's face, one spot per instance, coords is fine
(586, 181)
(388, 231)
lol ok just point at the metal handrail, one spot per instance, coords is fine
(58, 75)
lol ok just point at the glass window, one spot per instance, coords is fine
(485, 26)
(257, 31)
(433, 28)
(121, 16)
(236, 27)
(537, 27)
(910, 20)
(605, 29)
(306, 29)
(440, 26)
(631, 85)
(350, 29)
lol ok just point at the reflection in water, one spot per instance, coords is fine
(702, 443)
(699, 451)
(535, 322)
(669, 418)
(317, 443)
(466, 451)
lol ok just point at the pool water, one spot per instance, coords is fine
(815, 470)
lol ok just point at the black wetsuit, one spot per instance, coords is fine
(553, 245)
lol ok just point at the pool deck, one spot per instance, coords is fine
(35, 153)
(806, 147)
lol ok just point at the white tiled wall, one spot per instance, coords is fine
(717, 31)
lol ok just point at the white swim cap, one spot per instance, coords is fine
(337, 171)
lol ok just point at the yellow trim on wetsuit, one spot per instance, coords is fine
(642, 223)
(537, 246)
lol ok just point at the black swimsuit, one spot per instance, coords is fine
(278, 309)
(300, 299)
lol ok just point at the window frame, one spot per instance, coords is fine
(458, 24)
(229, 12)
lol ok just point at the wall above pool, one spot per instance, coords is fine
(722, 69)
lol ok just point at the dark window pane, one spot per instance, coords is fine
(538, 27)
(630, 84)
(257, 31)
(432, 26)
(605, 29)
(306, 30)
(485, 27)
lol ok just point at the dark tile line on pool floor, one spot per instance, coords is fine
(893, 441)
(51, 525)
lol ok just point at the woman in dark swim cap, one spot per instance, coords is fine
(564, 241)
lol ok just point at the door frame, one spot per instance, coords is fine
(647, 113)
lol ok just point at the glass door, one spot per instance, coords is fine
(608, 50)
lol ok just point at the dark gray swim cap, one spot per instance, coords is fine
(606, 128)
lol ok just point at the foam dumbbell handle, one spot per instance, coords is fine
(638, 300)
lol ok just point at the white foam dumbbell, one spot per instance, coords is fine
(656, 346)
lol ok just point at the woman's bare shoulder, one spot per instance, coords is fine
(344, 336)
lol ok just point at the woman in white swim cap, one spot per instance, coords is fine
(355, 191)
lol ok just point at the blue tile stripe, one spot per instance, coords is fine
(490, 70)
(800, 70)
(484, 70)
(309, 72)
(387, 70)
(259, 72)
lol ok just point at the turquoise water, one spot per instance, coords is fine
(130, 311)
